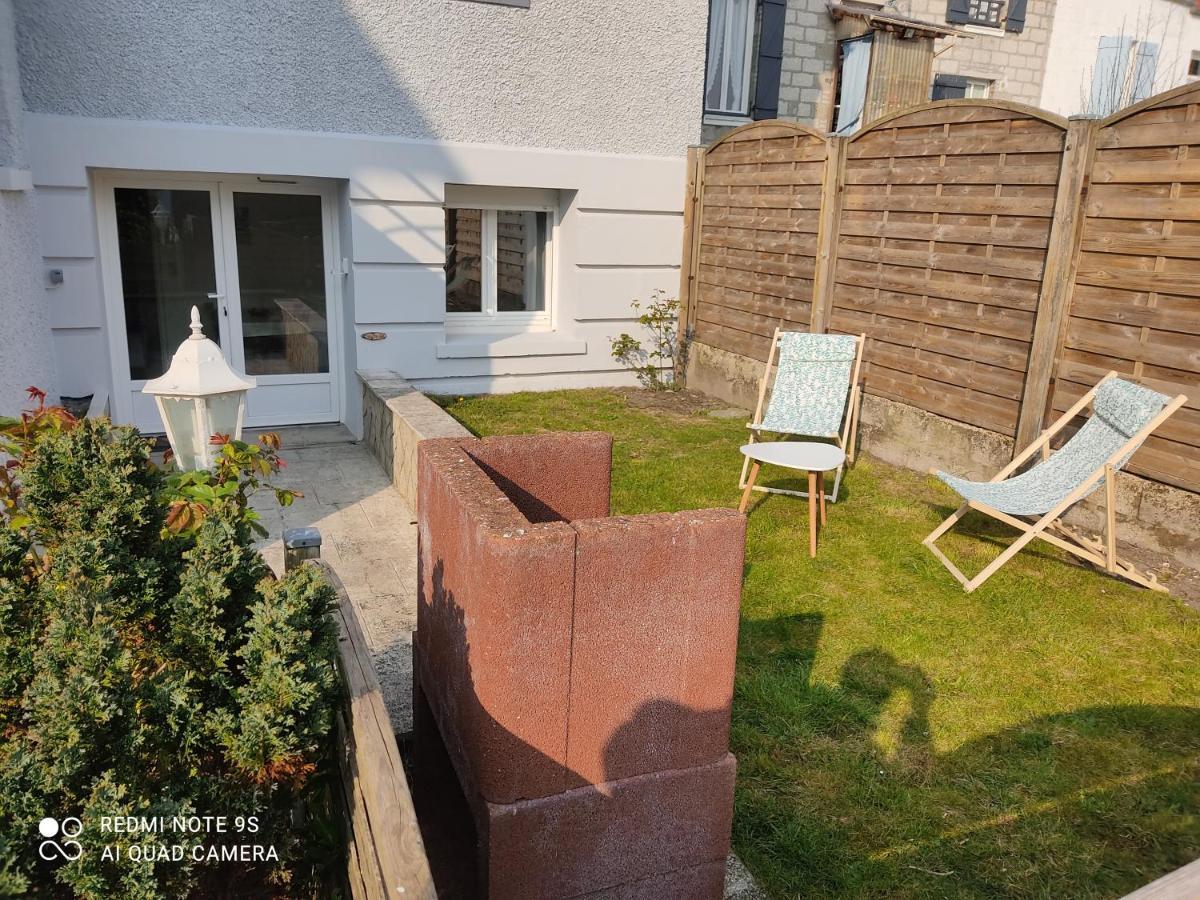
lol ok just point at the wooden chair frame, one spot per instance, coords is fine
(1048, 527)
(845, 440)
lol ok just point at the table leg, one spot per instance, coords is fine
(749, 488)
(821, 488)
(812, 514)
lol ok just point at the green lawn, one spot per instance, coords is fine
(895, 736)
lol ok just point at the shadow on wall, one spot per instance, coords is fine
(448, 813)
(1025, 811)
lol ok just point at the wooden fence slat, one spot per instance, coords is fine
(953, 174)
(1181, 246)
(1152, 172)
(978, 206)
(1170, 135)
(1032, 238)
(881, 147)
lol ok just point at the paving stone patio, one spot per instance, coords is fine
(369, 537)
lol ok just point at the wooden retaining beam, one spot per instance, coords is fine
(386, 855)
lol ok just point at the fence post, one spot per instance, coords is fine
(827, 231)
(1058, 279)
(300, 544)
(692, 222)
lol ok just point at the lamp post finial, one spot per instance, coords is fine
(197, 329)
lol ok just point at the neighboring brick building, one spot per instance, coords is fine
(931, 48)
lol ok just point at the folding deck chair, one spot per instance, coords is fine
(1123, 416)
(815, 395)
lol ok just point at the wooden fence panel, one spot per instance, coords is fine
(758, 224)
(999, 260)
(941, 247)
(1136, 304)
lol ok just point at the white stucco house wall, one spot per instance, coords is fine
(26, 354)
(1105, 54)
(317, 175)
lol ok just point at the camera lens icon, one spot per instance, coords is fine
(69, 849)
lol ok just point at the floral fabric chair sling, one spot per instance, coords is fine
(815, 395)
(1124, 414)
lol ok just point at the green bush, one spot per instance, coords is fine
(151, 665)
(660, 366)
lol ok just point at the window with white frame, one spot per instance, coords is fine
(986, 12)
(730, 51)
(498, 265)
(978, 89)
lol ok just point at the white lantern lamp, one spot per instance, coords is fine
(198, 396)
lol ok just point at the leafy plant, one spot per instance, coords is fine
(151, 664)
(658, 365)
(241, 469)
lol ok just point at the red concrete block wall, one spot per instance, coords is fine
(556, 477)
(495, 595)
(578, 668)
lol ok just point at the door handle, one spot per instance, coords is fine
(213, 295)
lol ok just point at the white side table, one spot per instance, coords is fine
(810, 456)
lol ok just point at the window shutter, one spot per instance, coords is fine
(949, 87)
(1144, 71)
(958, 11)
(1108, 75)
(770, 59)
(1015, 22)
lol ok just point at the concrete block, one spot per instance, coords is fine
(906, 436)
(397, 417)
(550, 477)
(656, 620)
(617, 633)
(494, 595)
(612, 837)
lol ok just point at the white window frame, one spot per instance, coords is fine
(987, 26)
(978, 89)
(490, 318)
(732, 116)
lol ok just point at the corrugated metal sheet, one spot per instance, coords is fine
(901, 73)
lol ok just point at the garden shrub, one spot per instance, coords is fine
(659, 366)
(151, 665)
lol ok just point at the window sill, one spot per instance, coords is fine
(500, 347)
(988, 30)
(725, 119)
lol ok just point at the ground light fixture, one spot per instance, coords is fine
(199, 396)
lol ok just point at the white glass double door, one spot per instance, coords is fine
(256, 258)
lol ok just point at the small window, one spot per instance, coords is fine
(978, 89)
(498, 265)
(730, 48)
(1194, 65)
(987, 13)
(958, 87)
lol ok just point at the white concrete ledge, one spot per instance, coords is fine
(397, 417)
(14, 179)
(473, 347)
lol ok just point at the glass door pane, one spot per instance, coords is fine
(281, 275)
(165, 242)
